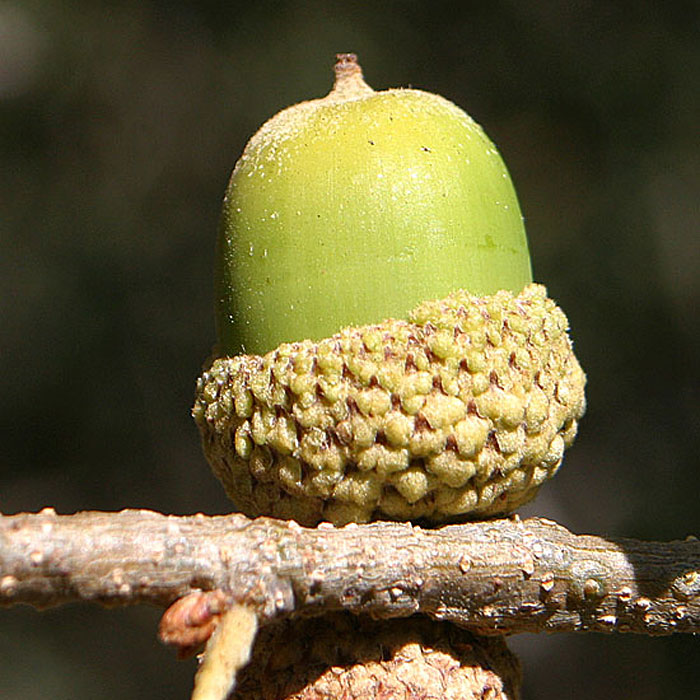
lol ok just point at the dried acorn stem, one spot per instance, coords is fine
(349, 81)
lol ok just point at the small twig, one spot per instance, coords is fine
(501, 576)
(228, 651)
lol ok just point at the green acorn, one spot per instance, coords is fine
(342, 217)
(357, 207)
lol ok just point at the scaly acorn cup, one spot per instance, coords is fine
(352, 209)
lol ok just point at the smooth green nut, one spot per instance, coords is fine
(393, 420)
(356, 207)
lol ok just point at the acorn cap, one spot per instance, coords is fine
(460, 412)
(342, 656)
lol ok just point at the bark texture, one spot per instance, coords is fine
(494, 577)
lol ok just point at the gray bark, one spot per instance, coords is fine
(494, 577)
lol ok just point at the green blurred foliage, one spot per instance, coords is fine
(119, 125)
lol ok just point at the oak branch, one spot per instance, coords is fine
(494, 577)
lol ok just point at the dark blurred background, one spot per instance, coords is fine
(119, 125)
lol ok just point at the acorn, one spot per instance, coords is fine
(382, 351)
(343, 656)
(357, 207)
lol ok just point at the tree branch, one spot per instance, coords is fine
(494, 577)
